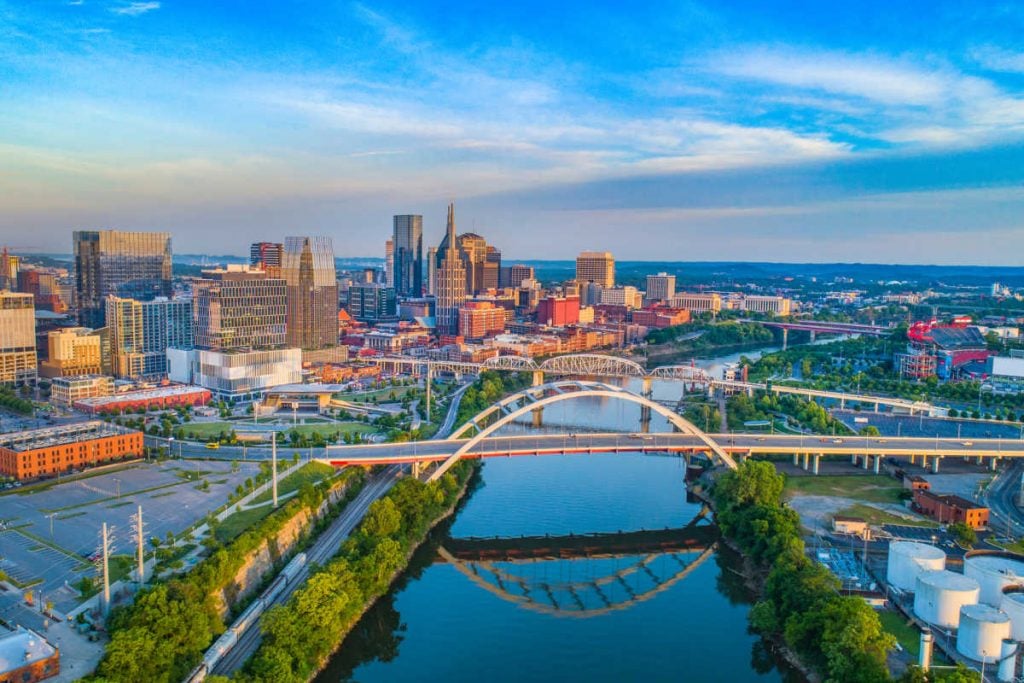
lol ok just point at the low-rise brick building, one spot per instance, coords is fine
(949, 509)
(48, 452)
(26, 657)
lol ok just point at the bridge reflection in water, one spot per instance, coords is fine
(540, 573)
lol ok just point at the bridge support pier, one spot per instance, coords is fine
(866, 464)
(876, 407)
(817, 462)
(979, 459)
(646, 390)
(878, 464)
(913, 458)
(813, 336)
(785, 338)
(538, 378)
(807, 461)
(796, 459)
(853, 458)
(924, 461)
(538, 417)
(993, 463)
(416, 469)
(935, 464)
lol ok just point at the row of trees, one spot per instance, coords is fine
(162, 635)
(740, 408)
(490, 387)
(11, 401)
(299, 635)
(727, 333)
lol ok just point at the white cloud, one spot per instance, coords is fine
(998, 59)
(134, 9)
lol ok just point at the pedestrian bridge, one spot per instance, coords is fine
(478, 438)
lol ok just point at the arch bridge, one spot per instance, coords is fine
(511, 408)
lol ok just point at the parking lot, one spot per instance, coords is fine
(928, 427)
(50, 534)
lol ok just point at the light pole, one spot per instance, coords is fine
(117, 484)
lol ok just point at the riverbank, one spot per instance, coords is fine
(301, 635)
(824, 634)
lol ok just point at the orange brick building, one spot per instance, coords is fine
(479, 319)
(47, 452)
(948, 509)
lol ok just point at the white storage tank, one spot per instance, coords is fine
(981, 634)
(1013, 606)
(939, 595)
(907, 560)
(994, 572)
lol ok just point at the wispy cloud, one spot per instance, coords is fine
(134, 9)
(998, 59)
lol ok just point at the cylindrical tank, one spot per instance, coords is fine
(1007, 672)
(1012, 605)
(994, 572)
(982, 631)
(939, 595)
(908, 559)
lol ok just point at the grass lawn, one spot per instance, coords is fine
(234, 525)
(207, 430)
(876, 517)
(336, 428)
(204, 430)
(382, 395)
(870, 488)
(310, 473)
(906, 633)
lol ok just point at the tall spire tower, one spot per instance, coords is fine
(451, 282)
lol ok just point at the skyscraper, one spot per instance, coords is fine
(134, 265)
(389, 261)
(492, 268)
(17, 338)
(308, 270)
(142, 331)
(267, 257)
(451, 280)
(240, 319)
(407, 257)
(8, 269)
(432, 271)
(597, 267)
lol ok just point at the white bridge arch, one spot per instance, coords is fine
(593, 364)
(520, 404)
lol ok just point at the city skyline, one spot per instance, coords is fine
(804, 136)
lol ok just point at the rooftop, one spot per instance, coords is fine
(21, 647)
(59, 436)
(143, 395)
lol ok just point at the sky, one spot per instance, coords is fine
(761, 131)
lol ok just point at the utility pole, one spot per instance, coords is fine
(139, 534)
(430, 377)
(273, 467)
(106, 571)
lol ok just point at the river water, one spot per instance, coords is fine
(655, 616)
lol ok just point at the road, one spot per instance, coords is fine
(1000, 496)
(322, 550)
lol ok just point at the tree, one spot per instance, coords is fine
(870, 430)
(964, 534)
(383, 518)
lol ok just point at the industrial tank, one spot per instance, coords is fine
(994, 572)
(981, 634)
(907, 560)
(1013, 605)
(939, 595)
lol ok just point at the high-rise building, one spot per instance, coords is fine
(267, 257)
(558, 311)
(479, 319)
(308, 271)
(597, 267)
(407, 258)
(389, 261)
(371, 302)
(72, 351)
(17, 338)
(240, 326)
(621, 296)
(432, 271)
(239, 308)
(142, 331)
(513, 276)
(492, 268)
(43, 288)
(133, 265)
(8, 269)
(451, 280)
(660, 287)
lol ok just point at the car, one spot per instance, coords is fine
(762, 438)
(213, 445)
(967, 443)
(883, 440)
(837, 440)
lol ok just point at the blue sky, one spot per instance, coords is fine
(684, 131)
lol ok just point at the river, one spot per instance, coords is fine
(639, 617)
